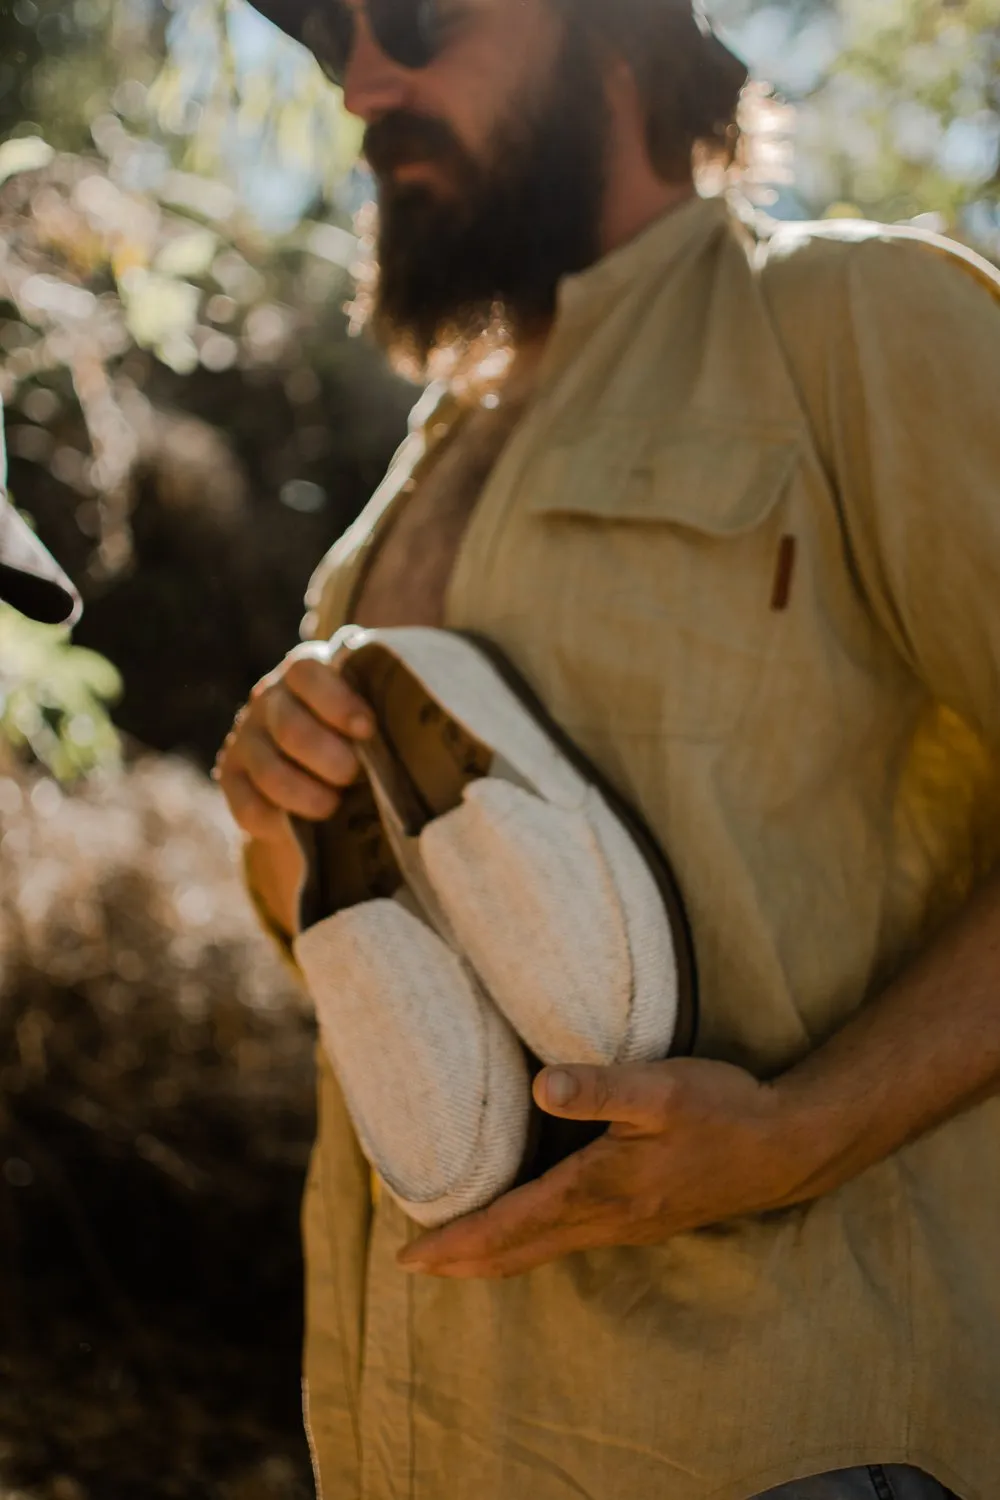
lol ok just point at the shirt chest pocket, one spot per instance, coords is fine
(663, 577)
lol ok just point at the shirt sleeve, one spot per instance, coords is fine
(903, 387)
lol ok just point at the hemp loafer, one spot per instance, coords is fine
(518, 853)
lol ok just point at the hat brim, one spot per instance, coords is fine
(291, 16)
(288, 15)
(31, 580)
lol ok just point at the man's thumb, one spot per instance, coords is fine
(633, 1095)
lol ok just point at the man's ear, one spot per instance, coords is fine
(620, 87)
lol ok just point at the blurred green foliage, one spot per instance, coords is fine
(918, 86)
(895, 108)
(54, 699)
(189, 423)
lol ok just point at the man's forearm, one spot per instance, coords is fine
(922, 1052)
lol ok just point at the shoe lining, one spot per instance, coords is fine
(355, 861)
(440, 756)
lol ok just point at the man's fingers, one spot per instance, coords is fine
(504, 1225)
(253, 813)
(554, 1203)
(292, 740)
(302, 738)
(310, 677)
(568, 1209)
(517, 1260)
(637, 1095)
(286, 785)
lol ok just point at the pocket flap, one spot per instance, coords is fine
(715, 480)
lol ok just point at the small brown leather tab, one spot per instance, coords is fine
(783, 574)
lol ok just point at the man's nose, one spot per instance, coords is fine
(374, 85)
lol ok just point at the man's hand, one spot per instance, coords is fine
(691, 1143)
(290, 751)
(290, 754)
(694, 1143)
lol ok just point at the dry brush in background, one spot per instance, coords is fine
(155, 1119)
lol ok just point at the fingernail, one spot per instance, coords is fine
(560, 1088)
(360, 726)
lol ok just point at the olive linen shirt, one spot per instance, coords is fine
(745, 545)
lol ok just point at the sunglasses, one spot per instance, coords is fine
(406, 31)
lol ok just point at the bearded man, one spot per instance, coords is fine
(731, 508)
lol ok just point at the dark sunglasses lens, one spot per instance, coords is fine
(404, 29)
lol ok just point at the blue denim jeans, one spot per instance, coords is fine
(875, 1483)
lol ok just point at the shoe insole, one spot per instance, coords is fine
(440, 756)
(354, 861)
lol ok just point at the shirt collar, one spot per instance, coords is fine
(590, 294)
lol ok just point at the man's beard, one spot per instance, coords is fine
(495, 246)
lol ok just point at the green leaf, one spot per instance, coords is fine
(54, 697)
(27, 153)
(158, 308)
(188, 255)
